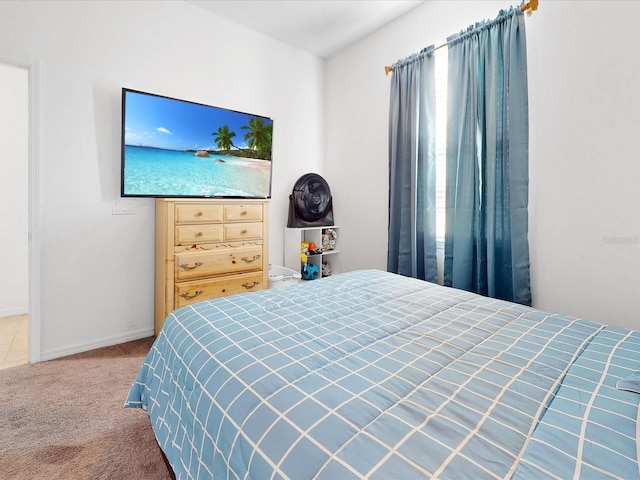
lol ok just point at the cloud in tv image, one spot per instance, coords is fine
(176, 148)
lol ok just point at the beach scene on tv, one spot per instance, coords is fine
(178, 148)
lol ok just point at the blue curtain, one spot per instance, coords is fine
(486, 245)
(412, 218)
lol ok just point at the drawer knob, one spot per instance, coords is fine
(248, 285)
(186, 266)
(244, 232)
(195, 294)
(250, 259)
(244, 212)
(199, 234)
(199, 214)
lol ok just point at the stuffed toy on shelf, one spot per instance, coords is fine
(309, 270)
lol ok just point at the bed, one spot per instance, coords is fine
(369, 374)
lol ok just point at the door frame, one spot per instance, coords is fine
(34, 205)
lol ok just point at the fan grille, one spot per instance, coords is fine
(312, 197)
(311, 200)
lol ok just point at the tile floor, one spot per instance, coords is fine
(14, 340)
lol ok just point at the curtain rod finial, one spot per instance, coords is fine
(530, 6)
(388, 70)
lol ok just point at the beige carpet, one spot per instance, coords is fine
(64, 419)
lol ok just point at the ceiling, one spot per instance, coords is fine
(320, 27)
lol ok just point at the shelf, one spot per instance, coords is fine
(329, 256)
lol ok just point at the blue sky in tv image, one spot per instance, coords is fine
(163, 122)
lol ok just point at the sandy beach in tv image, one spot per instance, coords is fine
(177, 148)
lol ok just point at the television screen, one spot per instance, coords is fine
(177, 148)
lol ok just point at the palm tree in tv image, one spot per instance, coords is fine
(223, 138)
(259, 137)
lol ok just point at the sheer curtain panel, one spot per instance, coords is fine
(412, 210)
(486, 245)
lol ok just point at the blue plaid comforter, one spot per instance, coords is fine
(368, 374)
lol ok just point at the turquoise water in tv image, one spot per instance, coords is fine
(158, 172)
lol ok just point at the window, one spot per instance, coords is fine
(441, 139)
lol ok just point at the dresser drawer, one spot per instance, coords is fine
(194, 234)
(243, 213)
(191, 213)
(242, 231)
(217, 261)
(195, 291)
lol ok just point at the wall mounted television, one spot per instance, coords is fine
(177, 148)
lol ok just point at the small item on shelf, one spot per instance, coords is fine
(310, 271)
(326, 269)
(309, 248)
(329, 237)
(317, 251)
(304, 248)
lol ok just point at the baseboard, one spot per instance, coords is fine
(105, 342)
(12, 312)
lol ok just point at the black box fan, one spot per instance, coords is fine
(310, 203)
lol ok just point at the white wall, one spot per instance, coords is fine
(584, 73)
(585, 160)
(14, 298)
(97, 268)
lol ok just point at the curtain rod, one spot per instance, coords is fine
(528, 8)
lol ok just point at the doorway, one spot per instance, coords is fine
(14, 215)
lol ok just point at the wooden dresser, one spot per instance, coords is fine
(207, 249)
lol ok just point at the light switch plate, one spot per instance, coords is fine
(124, 206)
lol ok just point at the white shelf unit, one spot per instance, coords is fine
(292, 248)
